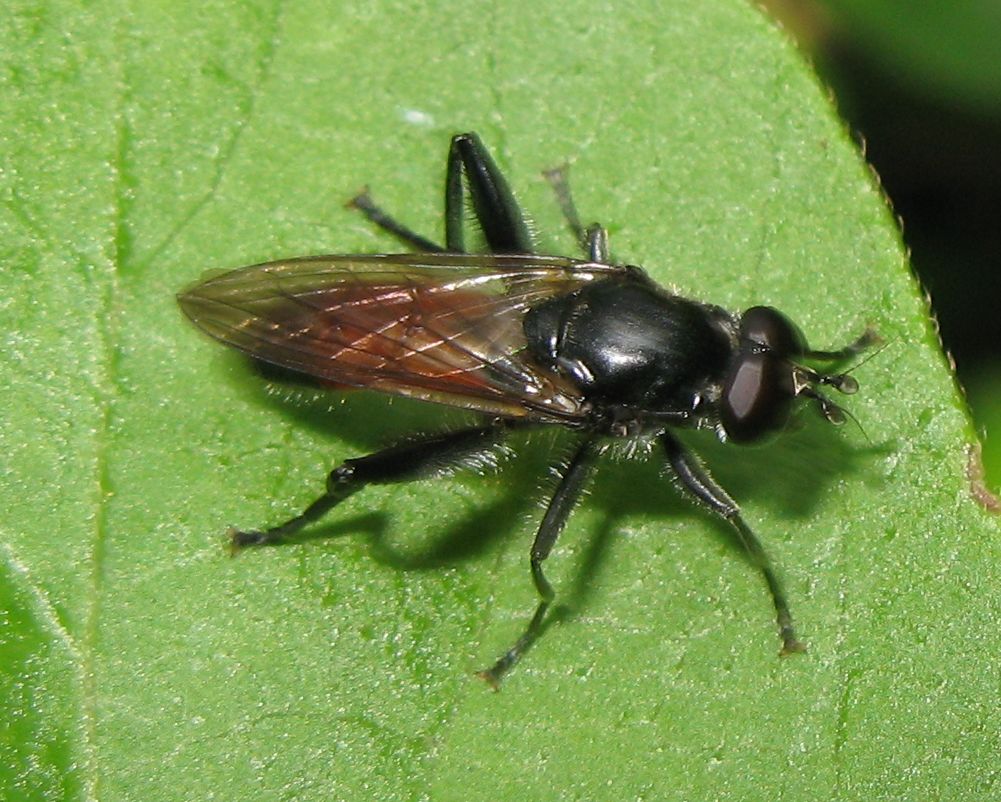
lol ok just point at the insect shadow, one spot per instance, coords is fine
(791, 474)
(367, 421)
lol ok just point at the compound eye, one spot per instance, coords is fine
(767, 327)
(757, 397)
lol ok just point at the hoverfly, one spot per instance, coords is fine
(526, 340)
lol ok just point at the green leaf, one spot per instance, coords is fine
(144, 145)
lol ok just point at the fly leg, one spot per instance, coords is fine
(363, 203)
(594, 238)
(842, 382)
(493, 202)
(470, 168)
(567, 494)
(430, 456)
(868, 339)
(700, 484)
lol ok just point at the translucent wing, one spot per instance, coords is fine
(440, 327)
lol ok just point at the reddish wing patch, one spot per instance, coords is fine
(441, 327)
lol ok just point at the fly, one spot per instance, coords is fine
(526, 340)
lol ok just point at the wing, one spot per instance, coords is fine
(439, 327)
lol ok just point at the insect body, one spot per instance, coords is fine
(526, 340)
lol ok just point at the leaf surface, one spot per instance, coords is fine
(144, 146)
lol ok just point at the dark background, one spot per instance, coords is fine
(919, 83)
